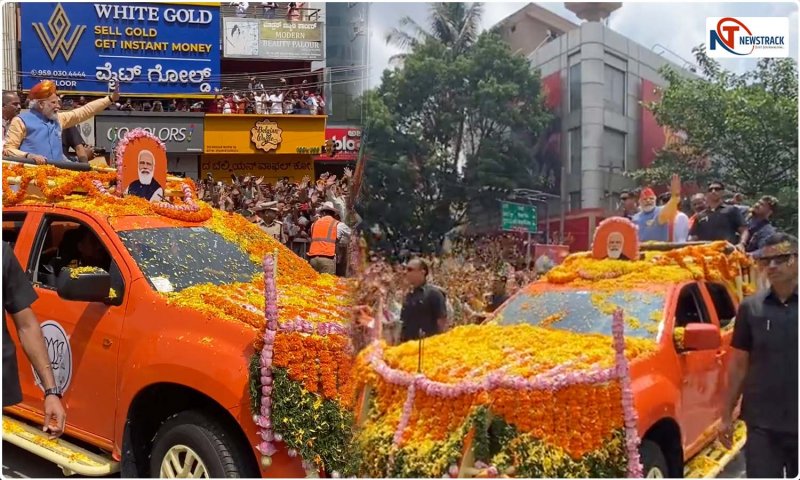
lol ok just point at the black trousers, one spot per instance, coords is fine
(770, 454)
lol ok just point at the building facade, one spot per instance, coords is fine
(595, 80)
(346, 47)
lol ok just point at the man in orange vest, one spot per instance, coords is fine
(325, 233)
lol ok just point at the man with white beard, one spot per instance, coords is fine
(146, 187)
(36, 134)
(653, 221)
(614, 249)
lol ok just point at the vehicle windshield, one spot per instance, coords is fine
(583, 311)
(179, 257)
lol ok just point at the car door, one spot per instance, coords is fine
(82, 338)
(699, 371)
(724, 308)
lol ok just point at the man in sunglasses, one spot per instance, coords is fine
(719, 221)
(763, 366)
(630, 207)
(424, 312)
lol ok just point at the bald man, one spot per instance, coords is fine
(146, 186)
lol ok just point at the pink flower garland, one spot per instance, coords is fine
(102, 190)
(632, 439)
(267, 447)
(406, 415)
(554, 379)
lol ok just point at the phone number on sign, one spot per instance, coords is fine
(57, 73)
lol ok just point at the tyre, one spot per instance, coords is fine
(191, 444)
(653, 460)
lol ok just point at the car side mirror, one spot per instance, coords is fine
(84, 285)
(702, 336)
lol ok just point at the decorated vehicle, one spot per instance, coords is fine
(612, 365)
(185, 340)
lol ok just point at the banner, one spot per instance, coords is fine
(180, 132)
(272, 39)
(275, 134)
(346, 144)
(149, 48)
(271, 167)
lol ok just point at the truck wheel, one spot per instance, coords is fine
(653, 460)
(191, 445)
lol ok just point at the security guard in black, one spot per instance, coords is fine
(424, 308)
(766, 328)
(18, 294)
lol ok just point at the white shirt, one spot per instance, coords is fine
(342, 230)
(680, 228)
(277, 104)
(312, 103)
(226, 107)
(241, 8)
(260, 99)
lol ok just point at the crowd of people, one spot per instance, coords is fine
(259, 99)
(474, 278)
(714, 215)
(286, 209)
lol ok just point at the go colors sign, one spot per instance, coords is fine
(180, 132)
(148, 48)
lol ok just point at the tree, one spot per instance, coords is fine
(454, 25)
(443, 128)
(741, 129)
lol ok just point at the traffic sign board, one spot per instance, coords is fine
(519, 217)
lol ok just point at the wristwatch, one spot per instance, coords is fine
(53, 391)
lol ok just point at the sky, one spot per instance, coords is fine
(677, 26)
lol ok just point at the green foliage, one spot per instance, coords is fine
(741, 129)
(495, 443)
(254, 383)
(462, 113)
(318, 429)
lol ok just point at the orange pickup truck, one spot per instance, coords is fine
(529, 385)
(153, 351)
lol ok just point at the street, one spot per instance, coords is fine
(18, 463)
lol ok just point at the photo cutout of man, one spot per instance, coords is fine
(146, 186)
(615, 244)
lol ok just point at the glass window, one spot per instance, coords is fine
(69, 243)
(723, 304)
(575, 200)
(690, 307)
(12, 225)
(205, 257)
(613, 150)
(575, 146)
(614, 81)
(575, 87)
(581, 311)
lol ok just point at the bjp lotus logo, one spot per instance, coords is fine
(266, 135)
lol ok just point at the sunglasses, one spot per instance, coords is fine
(714, 189)
(774, 261)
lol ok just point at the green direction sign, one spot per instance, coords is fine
(519, 217)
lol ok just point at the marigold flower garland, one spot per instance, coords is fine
(502, 388)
